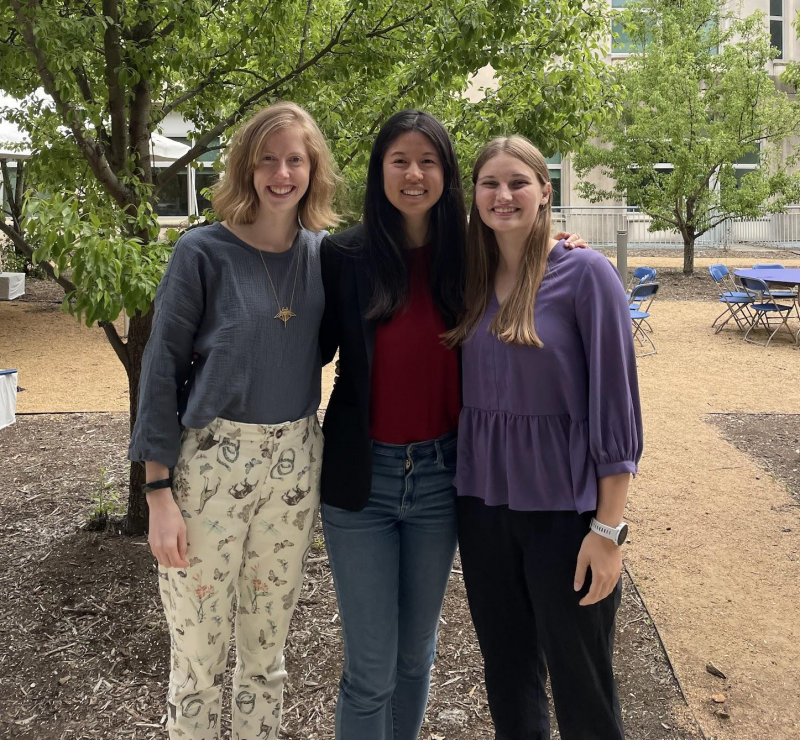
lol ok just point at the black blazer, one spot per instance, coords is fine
(347, 458)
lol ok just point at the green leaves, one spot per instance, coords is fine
(699, 98)
(352, 63)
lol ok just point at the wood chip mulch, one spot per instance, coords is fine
(84, 647)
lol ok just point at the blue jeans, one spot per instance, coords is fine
(390, 563)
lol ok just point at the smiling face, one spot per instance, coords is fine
(509, 195)
(413, 175)
(282, 174)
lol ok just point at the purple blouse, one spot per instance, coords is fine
(540, 426)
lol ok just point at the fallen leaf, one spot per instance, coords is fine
(714, 671)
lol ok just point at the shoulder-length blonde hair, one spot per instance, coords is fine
(234, 197)
(514, 321)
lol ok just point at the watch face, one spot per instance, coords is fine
(623, 534)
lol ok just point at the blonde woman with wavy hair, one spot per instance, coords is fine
(548, 437)
(227, 426)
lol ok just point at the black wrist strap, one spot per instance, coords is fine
(155, 485)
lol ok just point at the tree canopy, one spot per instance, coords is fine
(697, 98)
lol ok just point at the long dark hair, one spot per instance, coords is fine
(385, 235)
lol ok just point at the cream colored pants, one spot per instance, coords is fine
(249, 494)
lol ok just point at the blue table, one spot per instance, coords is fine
(789, 276)
(784, 277)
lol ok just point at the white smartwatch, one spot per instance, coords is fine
(618, 535)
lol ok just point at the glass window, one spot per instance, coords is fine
(210, 156)
(555, 181)
(12, 174)
(752, 157)
(621, 42)
(776, 25)
(174, 197)
(776, 36)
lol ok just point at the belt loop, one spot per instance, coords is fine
(439, 455)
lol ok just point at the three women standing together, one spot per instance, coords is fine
(548, 435)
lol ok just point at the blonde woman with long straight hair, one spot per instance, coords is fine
(548, 438)
(227, 424)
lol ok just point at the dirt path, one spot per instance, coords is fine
(63, 365)
(716, 541)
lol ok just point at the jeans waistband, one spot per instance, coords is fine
(429, 448)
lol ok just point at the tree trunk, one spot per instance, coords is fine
(688, 253)
(139, 332)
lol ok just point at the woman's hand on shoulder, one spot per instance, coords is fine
(573, 241)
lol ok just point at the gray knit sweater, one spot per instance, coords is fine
(215, 302)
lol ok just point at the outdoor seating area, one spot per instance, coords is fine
(762, 301)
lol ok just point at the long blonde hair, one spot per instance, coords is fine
(234, 197)
(514, 321)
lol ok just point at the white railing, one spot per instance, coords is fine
(599, 226)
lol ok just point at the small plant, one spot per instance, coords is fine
(106, 502)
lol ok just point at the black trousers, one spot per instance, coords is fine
(519, 568)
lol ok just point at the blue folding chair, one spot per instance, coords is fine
(777, 293)
(765, 308)
(736, 301)
(640, 276)
(642, 297)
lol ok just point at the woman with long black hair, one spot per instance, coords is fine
(393, 286)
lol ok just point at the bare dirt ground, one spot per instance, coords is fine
(716, 540)
(84, 646)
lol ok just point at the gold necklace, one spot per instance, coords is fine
(285, 313)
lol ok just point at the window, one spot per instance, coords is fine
(621, 42)
(745, 164)
(635, 195)
(174, 197)
(554, 169)
(776, 25)
(12, 174)
(203, 179)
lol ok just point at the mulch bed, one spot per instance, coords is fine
(83, 643)
(773, 440)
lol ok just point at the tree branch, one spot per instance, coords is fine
(181, 99)
(165, 175)
(383, 31)
(116, 342)
(23, 246)
(304, 37)
(140, 127)
(116, 96)
(88, 146)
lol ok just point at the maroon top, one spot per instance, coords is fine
(415, 394)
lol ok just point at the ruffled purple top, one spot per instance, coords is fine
(539, 426)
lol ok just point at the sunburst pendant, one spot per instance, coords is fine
(284, 315)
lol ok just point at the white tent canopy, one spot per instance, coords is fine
(14, 144)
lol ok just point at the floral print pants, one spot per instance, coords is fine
(249, 494)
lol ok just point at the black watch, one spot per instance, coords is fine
(156, 485)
